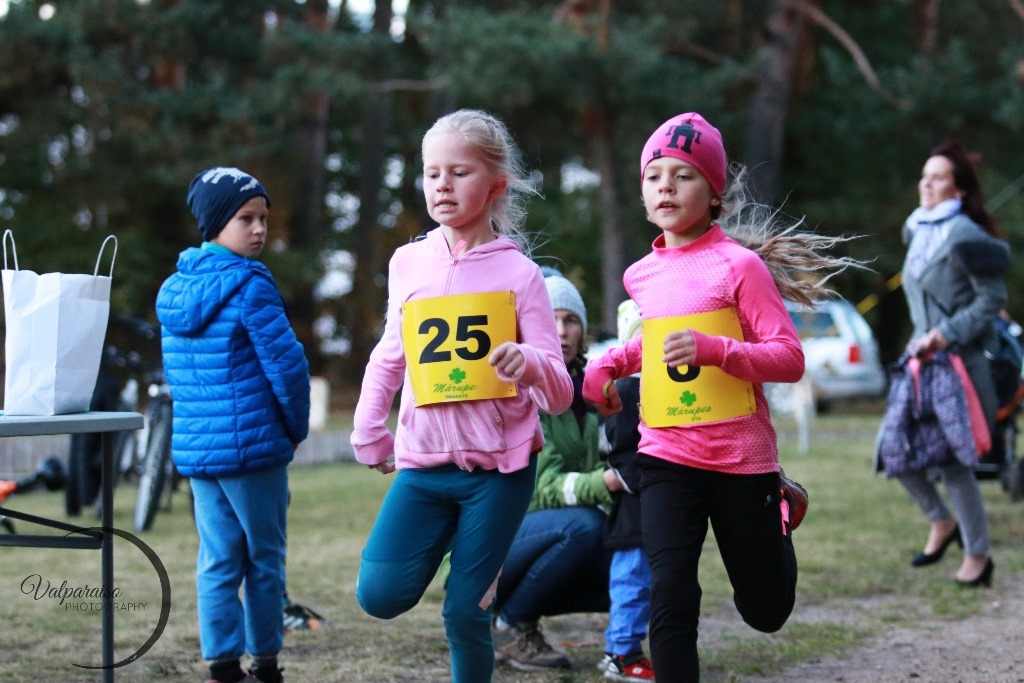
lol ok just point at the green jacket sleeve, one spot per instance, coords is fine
(570, 471)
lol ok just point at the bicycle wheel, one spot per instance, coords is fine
(84, 475)
(1015, 485)
(72, 495)
(154, 472)
(125, 449)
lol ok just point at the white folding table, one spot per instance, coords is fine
(78, 537)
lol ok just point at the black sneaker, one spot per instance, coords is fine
(268, 673)
(300, 618)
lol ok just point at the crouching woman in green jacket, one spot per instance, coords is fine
(558, 563)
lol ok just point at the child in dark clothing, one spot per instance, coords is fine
(629, 585)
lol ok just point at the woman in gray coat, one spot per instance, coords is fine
(953, 282)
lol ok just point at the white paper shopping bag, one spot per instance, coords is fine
(56, 326)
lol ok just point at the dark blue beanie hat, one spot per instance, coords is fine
(217, 193)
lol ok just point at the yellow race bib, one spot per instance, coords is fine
(670, 397)
(448, 340)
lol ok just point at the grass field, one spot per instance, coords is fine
(853, 549)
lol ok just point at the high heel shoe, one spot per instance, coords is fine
(924, 559)
(984, 578)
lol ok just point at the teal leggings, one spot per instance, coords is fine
(427, 513)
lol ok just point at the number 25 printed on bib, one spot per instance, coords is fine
(690, 394)
(448, 340)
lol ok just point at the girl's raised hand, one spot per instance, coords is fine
(599, 390)
(509, 361)
(680, 349)
(613, 404)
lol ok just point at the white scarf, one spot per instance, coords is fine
(928, 229)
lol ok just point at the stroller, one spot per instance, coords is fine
(1002, 461)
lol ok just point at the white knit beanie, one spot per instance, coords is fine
(628, 320)
(564, 295)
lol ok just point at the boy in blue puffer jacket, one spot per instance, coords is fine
(240, 383)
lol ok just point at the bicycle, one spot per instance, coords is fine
(117, 389)
(158, 477)
(85, 455)
(130, 447)
(142, 456)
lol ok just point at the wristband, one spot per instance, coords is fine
(607, 385)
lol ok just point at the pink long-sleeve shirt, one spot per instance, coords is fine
(488, 433)
(708, 274)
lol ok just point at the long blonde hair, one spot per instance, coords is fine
(493, 141)
(797, 259)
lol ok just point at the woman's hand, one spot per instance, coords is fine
(680, 349)
(931, 342)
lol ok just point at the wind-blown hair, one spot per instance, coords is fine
(798, 260)
(496, 147)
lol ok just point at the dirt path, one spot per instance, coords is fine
(985, 648)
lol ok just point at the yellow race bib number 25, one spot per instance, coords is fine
(448, 340)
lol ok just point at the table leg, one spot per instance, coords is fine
(107, 554)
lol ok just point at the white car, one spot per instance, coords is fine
(840, 351)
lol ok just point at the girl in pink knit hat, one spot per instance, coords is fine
(715, 329)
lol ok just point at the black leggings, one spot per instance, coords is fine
(676, 504)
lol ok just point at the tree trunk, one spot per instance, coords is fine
(613, 261)
(613, 243)
(927, 26)
(366, 303)
(595, 121)
(733, 41)
(765, 133)
(307, 193)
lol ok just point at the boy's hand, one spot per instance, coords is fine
(612, 481)
(599, 390)
(509, 361)
(680, 349)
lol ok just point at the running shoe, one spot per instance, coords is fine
(795, 500)
(627, 668)
(525, 648)
(300, 618)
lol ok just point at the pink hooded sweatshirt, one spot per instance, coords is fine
(489, 433)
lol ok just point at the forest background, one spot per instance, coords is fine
(108, 108)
